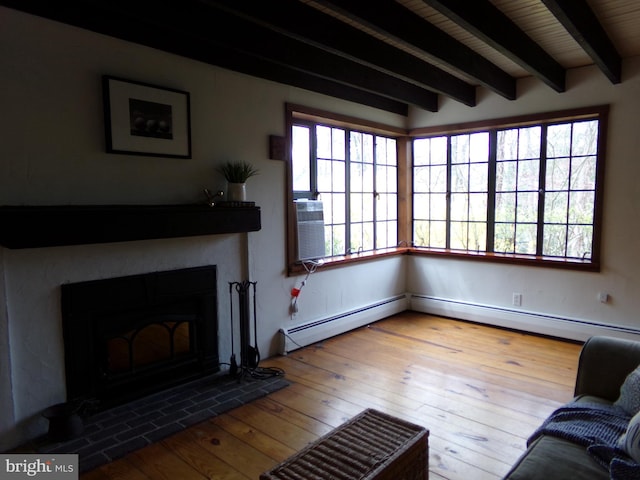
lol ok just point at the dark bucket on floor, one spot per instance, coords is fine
(64, 422)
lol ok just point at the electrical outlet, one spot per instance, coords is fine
(603, 297)
(517, 299)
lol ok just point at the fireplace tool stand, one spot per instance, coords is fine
(249, 354)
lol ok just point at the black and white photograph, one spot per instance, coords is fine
(150, 119)
(145, 119)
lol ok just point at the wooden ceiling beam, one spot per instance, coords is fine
(389, 18)
(254, 48)
(172, 30)
(487, 22)
(232, 31)
(293, 43)
(259, 67)
(304, 23)
(579, 20)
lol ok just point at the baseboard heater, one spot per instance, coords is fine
(562, 327)
(299, 336)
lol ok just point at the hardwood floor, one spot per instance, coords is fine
(481, 392)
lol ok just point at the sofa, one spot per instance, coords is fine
(608, 376)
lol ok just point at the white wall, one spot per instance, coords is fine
(551, 292)
(52, 152)
(6, 396)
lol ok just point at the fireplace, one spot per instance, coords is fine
(127, 337)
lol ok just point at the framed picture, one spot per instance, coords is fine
(144, 119)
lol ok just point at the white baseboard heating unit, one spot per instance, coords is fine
(300, 336)
(545, 324)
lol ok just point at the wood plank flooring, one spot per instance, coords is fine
(481, 392)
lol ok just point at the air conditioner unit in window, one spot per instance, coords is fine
(310, 226)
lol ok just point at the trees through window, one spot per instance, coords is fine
(354, 174)
(527, 190)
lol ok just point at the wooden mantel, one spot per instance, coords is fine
(48, 226)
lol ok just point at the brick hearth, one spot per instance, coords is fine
(113, 433)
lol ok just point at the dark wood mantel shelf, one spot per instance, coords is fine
(48, 226)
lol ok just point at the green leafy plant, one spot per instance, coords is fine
(237, 172)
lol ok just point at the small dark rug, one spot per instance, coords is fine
(111, 434)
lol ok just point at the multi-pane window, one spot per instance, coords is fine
(354, 174)
(386, 192)
(517, 190)
(469, 184)
(451, 191)
(430, 187)
(331, 185)
(527, 190)
(570, 191)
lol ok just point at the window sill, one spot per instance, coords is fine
(333, 262)
(512, 259)
(509, 259)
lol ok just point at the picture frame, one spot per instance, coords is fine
(145, 119)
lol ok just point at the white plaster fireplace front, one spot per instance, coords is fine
(32, 368)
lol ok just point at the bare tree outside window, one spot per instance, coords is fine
(528, 190)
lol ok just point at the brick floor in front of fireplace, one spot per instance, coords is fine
(112, 434)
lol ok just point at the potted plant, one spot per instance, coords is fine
(237, 174)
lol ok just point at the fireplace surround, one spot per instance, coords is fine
(130, 336)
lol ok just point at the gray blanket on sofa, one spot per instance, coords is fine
(597, 427)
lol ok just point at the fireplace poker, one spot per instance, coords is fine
(233, 366)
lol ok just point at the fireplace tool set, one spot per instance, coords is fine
(249, 354)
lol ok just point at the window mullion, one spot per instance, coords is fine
(313, 145)
(541, 190)
(373, 193)
(347, 192)
(448, 195)
(491, 197)
(569, 188)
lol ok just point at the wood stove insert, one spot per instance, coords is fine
(130, 336)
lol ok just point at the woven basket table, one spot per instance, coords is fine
(372, 445)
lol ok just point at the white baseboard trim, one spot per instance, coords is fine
(569, 328)
(300, 336)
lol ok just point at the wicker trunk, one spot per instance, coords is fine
(372, 445)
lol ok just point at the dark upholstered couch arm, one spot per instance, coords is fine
(604, 364)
